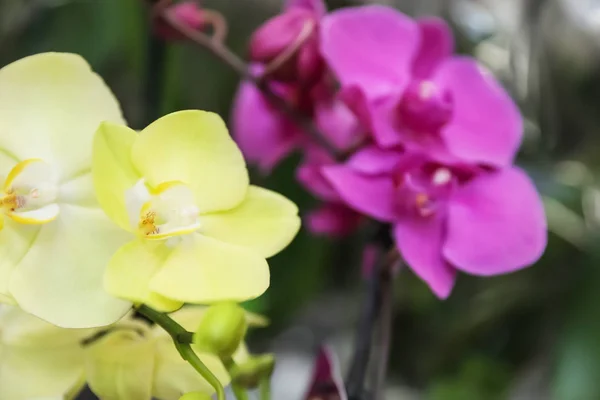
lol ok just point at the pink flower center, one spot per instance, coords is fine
(425, 107)
(424, 191)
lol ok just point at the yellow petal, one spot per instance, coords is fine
(112, 170)
(60, 278)
(50, 107)
(25, 330)
(120, 366)
(130, 270)
(204, 270)
(265, 221)
(15, 242)
(37, 359)
(195, 148)
(175, 377)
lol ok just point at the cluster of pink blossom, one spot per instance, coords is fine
(429, 137)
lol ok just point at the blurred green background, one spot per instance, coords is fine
(534, 334)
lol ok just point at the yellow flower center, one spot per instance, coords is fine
(30, 192)
(168, 210)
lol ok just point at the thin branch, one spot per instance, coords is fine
(378, 306)
(185, 350)
(225, 55)
(385, 330)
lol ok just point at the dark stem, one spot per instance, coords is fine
(223, 53)
(355, 381)
(384, 331)
(154, 79)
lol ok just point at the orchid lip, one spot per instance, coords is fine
(30, 193)
(163, 212)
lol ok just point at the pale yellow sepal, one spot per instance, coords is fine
(193, 147)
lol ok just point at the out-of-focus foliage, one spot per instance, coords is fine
(534, 334)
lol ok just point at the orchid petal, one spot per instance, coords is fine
(419, 241)
(486, 126)
(60, 278)
(265, 222)
(437, 44)
(374, 196)
(496, 224)
(202, 270)
(371, 47)
(50, 105)
(112, 170)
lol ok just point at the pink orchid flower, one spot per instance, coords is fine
(401, 79)
(446, 217)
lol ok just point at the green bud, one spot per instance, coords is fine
(221, 330)
(196, 396)
(249, 373)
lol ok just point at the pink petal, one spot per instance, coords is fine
(263, 134)
(371, 46)
(338, 123)
(496, 224)
(333, 220)
(373, 160)
(311, 177)
(373, 196)
(327, 382)
(376, 114)
(437, 44)
(486, 126)
(316, 6)
(419, 241)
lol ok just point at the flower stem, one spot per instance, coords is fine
(385, 331)
(229, 58)
(265, 389)
(177, 332)
(377, 307)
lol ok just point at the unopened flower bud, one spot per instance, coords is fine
(196, 396)
(249, 373)
(221, 330)
(288, 46)
(186, 13)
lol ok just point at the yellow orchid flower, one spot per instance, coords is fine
(56, 241)
(128, 360)
(141, 362)
(202, 232)
(37, 359)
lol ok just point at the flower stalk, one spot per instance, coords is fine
(177, 332)
(225, 55)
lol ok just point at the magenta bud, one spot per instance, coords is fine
(288, 46)
(187, 13)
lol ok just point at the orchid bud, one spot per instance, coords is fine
(187, 13)
(288, 45)
(196, 396)
(222, 329)
(249, 373)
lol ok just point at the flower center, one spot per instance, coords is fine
(167, 211)
(424, 191)
(425, 107)
(30, 192)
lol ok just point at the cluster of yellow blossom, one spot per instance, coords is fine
(95, 216)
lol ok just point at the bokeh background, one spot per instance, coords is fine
(534, 334)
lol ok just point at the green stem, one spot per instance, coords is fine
(239, 392)
(265, 389)
(178, 333)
